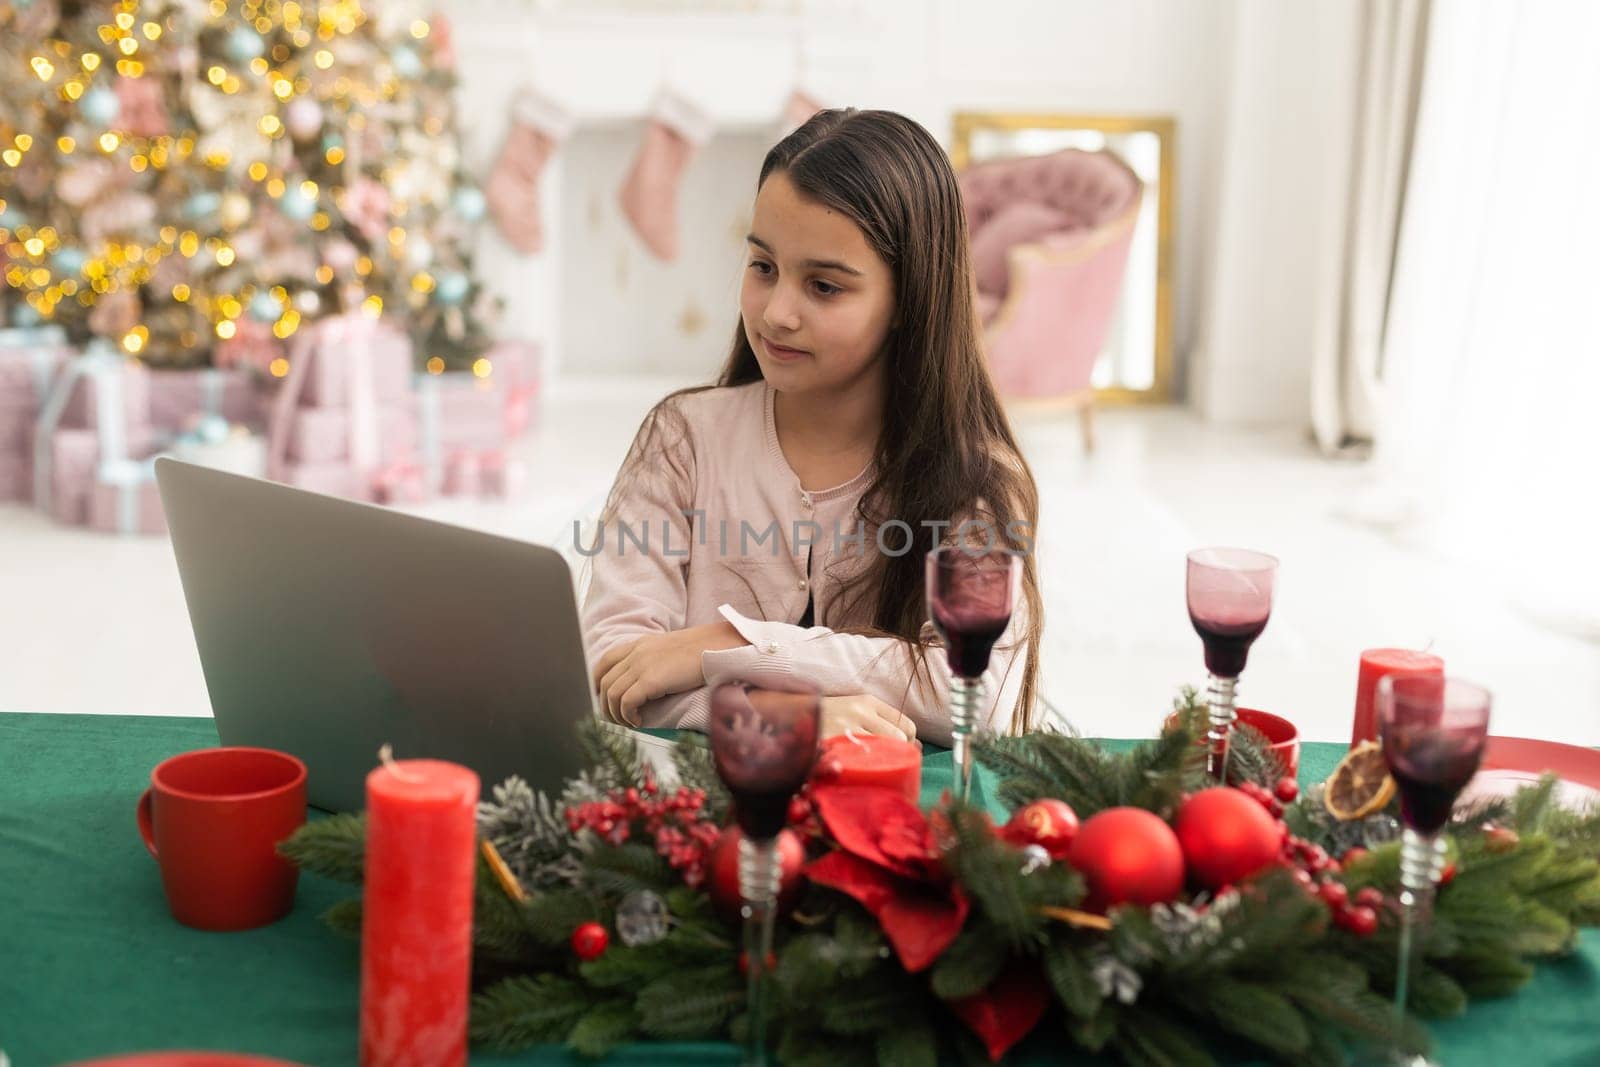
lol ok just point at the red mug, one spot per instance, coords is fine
(213, 819)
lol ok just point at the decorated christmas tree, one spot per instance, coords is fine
(197, 180)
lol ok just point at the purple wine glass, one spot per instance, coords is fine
(1434, 730)
(971, 595)
(764, 742)
(1229, 591)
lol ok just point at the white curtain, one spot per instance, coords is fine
(1353, 297)
(1488, 444)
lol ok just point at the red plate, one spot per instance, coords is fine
(185, 1059)
(1512, 762)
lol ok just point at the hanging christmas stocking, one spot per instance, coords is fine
(650, 191)
(538, 126)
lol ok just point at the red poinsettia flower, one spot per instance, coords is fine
(1007, 1011)
(889, 863)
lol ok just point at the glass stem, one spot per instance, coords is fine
(1221, 715)
(1421, 863)
(759, 878)
(966, 697)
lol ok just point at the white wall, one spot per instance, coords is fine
(927, 59)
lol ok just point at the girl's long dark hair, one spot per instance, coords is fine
(946, 451)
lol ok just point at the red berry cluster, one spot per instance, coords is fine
(1274, 799)
(675, 821)
(1316, 870)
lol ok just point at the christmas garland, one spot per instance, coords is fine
(1149, 916)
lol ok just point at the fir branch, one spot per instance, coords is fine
(551, 916)
(1153, 1039)
(1251, 758)
(612, 754)
(344, 918)
(1154, 775)
(523, 1011)
(617, 870)
(691, 758)
(911, 1043)
(1096, 1031)
(1071, 978)
(869, 1006)
(1530, 804)
(805, 1046)
(499, 924)
(1249, 1010)
(691, 1004)
(334, 847)
(811, 963)
(603, 1027)
(973, 961)
(990, 870)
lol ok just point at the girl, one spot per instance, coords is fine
(776, 524)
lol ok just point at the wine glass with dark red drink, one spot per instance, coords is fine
(764, 743)
(971, 595)
(1434, 730)
(1230, 599)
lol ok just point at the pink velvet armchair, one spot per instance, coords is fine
(1050, 237)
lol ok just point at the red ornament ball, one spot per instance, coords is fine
(1286, 790)
(589, 940)
(1050, 824)
(722, 871)
(1226, 836)
(1128, 855)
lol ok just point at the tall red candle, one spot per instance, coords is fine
(868, 759)
(1375, 663)
(416, 919)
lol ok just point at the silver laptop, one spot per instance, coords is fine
(327, 628)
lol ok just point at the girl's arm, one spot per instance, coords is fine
(635, 593)
(879, 666)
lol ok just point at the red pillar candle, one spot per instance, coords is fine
(1375, 663)
(416, 919)
(867, 759)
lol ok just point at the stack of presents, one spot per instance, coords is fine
(80, 431)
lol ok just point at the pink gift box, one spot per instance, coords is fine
(83, 407)
(328, 381)
(178, 398)
(332, 479)
(400, 483)
(514, 363)
(106, 503)
(26, 370)
(471, 417)
(322, 435)
(16, 477)
(463, 474)
(73, 457)
(503, 476)
(16, 427)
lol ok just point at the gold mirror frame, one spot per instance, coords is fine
(1165, 128)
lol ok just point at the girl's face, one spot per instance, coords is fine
(817, 302)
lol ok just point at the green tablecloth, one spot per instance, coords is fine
(92, 964)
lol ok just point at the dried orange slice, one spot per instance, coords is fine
(1360, 785)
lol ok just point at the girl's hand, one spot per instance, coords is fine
(865, 714)
(656, 665)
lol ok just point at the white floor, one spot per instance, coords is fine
(97, 624)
